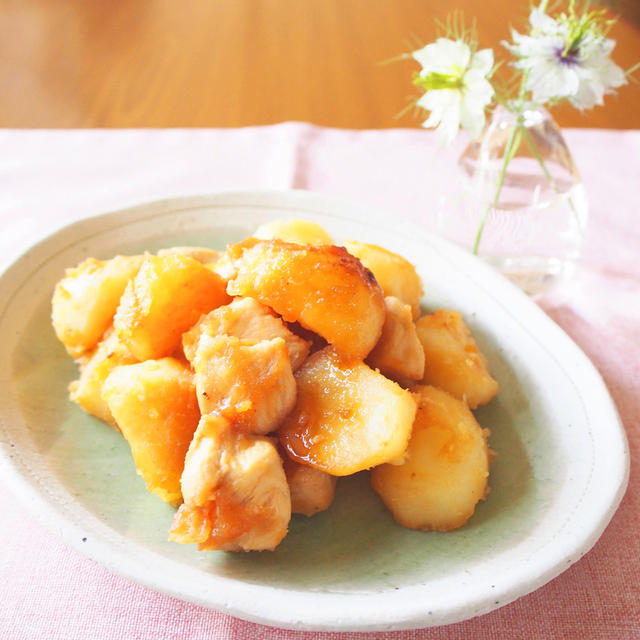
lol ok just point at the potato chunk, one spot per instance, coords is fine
(166, 298)
(155, 406)
(87, 390)
(397, 276)
(247, 319)
(323, 288)
(311, 490)
(85, 300)
(347, 417)
(201, 254)
(446, 469)
(253, 380)
(399, 353)
(235, 492)
(293, 230)
(453, 361)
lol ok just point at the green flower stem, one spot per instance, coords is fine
(537, 156)
(631, 70)
(512, 146)
(509, 152)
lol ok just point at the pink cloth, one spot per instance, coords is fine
(49, 178)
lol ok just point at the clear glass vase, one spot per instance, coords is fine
(526, 217)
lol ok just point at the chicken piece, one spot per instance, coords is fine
(86, 299)
(323, 288)
(202, 254)
(453, 361)
(166, 298)
(399, 354)
(87, 390)
(247, 319)
(396, 275)
(347, 417)
(446, 469)
(225, 266)
(311, 490)
(293, 230)
(252, 380)
(155, 406)
(236, 496)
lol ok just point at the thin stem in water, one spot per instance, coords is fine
(537, 156)
(509, 152)
(511, 147)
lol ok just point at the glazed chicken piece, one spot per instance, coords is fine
(236, 496)
(247, 319)
(324, 288)
(252, 380)
(225, 266)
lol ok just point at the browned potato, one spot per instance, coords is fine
(154, 404)
(399, 354)
(453, 360)
(85, 300)
(324, 288)
(311, 490)
(87, 390)
(446, 469)
(252, 380)
(397, 276)
(166, 298)
(347, 417)
(236, 496)
(201, 254)
(293, 230)
(247, 319)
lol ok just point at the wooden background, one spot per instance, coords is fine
(230, 63)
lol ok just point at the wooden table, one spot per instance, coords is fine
(230, 63)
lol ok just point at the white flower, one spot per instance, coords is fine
(456, 86)
(566, 58)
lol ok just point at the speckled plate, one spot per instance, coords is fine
(560, 473)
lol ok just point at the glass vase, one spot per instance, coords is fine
(526, 216)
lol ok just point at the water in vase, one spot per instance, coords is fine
(535, 231)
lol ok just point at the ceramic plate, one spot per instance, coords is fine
(559, 475)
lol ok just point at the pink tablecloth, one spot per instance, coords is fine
(48, 178)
